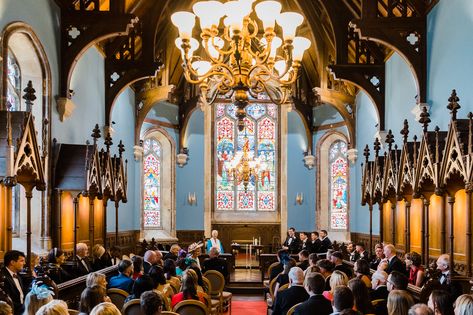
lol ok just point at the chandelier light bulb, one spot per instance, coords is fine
(301, 44)
(267, 12)
(209, 13)
(185, 22)
(193, 42)
(201, 67)
(289, 21)
(217, 42)
(275, 44)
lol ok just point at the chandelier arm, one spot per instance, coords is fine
(255, 27)
(221, 51)
(204, 77)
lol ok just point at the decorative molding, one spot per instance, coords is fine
(138, 152)
(65, 107)
(161, 123)
(329, 126)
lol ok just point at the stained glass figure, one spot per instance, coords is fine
(338, 185)
(152, 183)
(260, 136)
(13, 100)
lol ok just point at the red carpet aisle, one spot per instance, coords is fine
(248, 307)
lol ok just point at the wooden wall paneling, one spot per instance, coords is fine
(98, 222)
(459, 226)
(435, 222)
(426, 230)
(469, 239)
(83, 219)
(187, 237)
(400, 224)
(5, 219)
(387, 231)
(67, 221)
(416, 225)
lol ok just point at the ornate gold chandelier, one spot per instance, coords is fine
(238, 60)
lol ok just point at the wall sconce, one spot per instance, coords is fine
(191, 199)
(309, 159)
(182, 157)
(299, 198)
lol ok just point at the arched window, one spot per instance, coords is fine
(152, 161)
(338, 166)
(260, 139)
(14, 83)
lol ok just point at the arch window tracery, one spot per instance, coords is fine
(152, 162)
(338, 185)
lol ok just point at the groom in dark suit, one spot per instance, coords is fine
(14, 262)
(292, 243)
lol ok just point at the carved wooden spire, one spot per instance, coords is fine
(121, 148)
(366, 153)
(425, 118)
(29, 96)
(470, 133)
(108, 141)
(96, 133)
(415, 149)
(453, 105)
(437, 156)
(405, 130)
(377, 146)
(390, 139)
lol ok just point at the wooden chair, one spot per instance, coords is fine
(283, 287)
(166, 300)
(117, 296)
(292, 309)
(217, 283)
(73, 312)
(376, 302)
(132, 307)
(169, 313)
(270, 299)
(214, 303)
(271, 267)
(191, 307)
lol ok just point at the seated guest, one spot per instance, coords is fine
(315, 243)
(214, 262)
(282, 256)
(338, 278)
(343, 299)
(361, 295)
(151, 303)
(150, 259)
(96, 278)
(415, 269)
(313, 259)
(115, 255)
(201, 285)
(303, 259)
(100, 258)
(397, 281)
(169, 270)
(292, 243)
(394, 263)
(38, 296)
(316, 304)
(5, 308)
(13, 262)
(293, 295)
(195, 251)
(337, 259)
(464, 305)
(105, 308)
(142, 284)
(443, 265)
(305, 243)
(283, 277)
(56, 258)
(326, 242)
(420, 309)
(326, 269)
(181, 266)
(83, 266)
(362, 271)
(379, 255)
(399, 302)
(55, 307)
(159, 280)
(441, 303)
(137, 266)
(378, 284)
(352, 254)
(214, 242)
(159, 258)
(123, 281)
(362, 253)
(173, 252)
(188, 290)
(91, 297)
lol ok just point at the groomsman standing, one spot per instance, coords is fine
(292, 242)
(315, 242)
(326, 242)
(305, 242)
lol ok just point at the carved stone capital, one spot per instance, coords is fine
(138, 152)
(352, 155)
(64, 107)
(181, 159)
(309, 161)
(107, 130)
(418, 108)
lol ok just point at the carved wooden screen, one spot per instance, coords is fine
(152, 161)
(338, 185)
(261, 134)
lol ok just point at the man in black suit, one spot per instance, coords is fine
(83, 265)
(394, 263)
(303, 259)
(305, 242)
(343, 299)
(292, 242)
(14, 262)
(317, 303)
(293, 295)
(315, 242)
(150, 259)
(362, 253)
(326, 242)
(337, 259)
(453, 287)
(216, 263)
(397, 281)
(379, 255)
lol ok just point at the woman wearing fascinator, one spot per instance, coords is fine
(194, 251)
(40, 295)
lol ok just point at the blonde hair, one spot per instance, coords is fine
(55, 307)
(98, 251)
(5, 308)
(105, 308)
(338, 278)
(464, 304)
(33, 302)
(399, 302)
(95, 278)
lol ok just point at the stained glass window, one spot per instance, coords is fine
(338, 185)
(260, 138)
(14, 83)
(152, 183)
